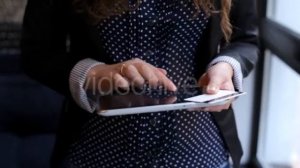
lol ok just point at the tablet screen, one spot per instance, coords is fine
(146, 97)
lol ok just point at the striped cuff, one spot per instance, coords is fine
(236, 66)
(76, 81)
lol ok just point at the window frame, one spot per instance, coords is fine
(286, 47)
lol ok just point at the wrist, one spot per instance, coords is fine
(93, 76)
(77, 80)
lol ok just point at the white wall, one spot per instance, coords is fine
(286, 12)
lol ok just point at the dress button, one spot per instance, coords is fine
(153, 122)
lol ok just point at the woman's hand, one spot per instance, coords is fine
(217, 77)
(106, 78)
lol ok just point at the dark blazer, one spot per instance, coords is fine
(55, 38)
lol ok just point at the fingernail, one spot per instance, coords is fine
(162, 71)
(173, 87)
(213, 89)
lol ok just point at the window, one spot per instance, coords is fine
(279, 134)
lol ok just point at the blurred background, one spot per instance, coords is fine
(29, 112)
(268, 117)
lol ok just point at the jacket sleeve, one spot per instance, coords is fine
(46, 43)
(243, 45)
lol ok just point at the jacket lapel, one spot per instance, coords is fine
(225, 119)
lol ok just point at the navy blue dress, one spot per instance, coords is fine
(164, 33)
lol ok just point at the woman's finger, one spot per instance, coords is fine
(143, 71)
(166, 82)
(149, 75)
(168, 100)
(228, 85)
(132, 74)
(120, 82)
(219, 107)
(162, 71)
(216, 108)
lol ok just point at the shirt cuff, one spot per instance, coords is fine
(236, 66)
(77, 79)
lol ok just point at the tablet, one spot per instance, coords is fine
(157, 100)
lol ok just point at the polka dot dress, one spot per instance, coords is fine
(164, 33)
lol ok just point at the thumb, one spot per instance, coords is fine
(213, 85)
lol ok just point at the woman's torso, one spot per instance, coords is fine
(165, 34)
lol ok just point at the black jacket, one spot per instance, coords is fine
(55, 38)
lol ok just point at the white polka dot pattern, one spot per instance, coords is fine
(165, 34)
